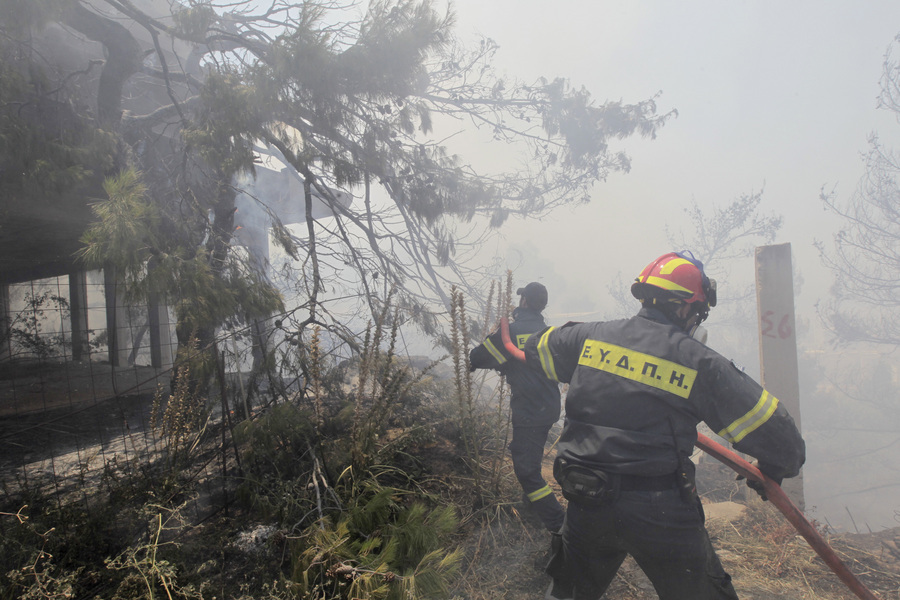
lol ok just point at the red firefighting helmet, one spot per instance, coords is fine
(675, 277)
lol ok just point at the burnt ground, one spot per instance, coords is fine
(766, 557)
(506, 549)
(93, 405)
(47, 414)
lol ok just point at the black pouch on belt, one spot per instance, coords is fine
(587, 487)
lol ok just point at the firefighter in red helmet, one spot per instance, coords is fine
(638, 388)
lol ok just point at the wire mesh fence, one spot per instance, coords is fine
(71, 417)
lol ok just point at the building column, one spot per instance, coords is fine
(5, 322)
(116, 319)
(161, 355)
(78, 315)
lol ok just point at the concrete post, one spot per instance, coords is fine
(778, 339)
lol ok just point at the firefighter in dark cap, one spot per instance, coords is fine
(534, 403)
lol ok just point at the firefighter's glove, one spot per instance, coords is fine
(757, 486)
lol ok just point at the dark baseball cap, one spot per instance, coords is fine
(535, 294)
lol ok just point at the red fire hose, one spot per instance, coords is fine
(516, 352)
(777, 497)
(773, 492)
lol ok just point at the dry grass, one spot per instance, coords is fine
(766, 557)
(504, 548)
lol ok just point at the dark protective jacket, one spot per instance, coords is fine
(638, 388)
(534, 399)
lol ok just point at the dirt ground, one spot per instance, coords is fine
(767, 559)
(29, 387)
(52, 417)
(93, 405)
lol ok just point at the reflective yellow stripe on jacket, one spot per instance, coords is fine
(543, 348)
(539, 494)
(498, 356)
(748, 423)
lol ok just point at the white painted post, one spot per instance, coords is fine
(778, 339)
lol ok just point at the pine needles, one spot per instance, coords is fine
(377, 548)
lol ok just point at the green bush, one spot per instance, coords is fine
(376, 548)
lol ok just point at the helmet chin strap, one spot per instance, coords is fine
(687, 322)
(692, 328)
(701, 334)
(691, 321)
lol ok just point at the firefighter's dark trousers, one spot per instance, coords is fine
(527, 450)
(665, 535)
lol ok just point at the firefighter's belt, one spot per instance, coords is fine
(586, 487)
(591, 487)
(639, 483)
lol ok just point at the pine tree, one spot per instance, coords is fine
(186, 102)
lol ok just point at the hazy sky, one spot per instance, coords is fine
(771, 95)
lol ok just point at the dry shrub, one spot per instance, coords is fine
(768, 559)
